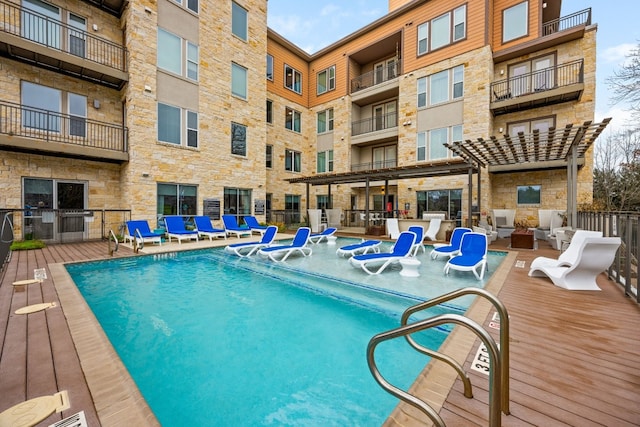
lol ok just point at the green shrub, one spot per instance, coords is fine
(25, 245)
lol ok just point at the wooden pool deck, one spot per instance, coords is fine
(574, 355)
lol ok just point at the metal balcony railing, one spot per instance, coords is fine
(538, 81)
(375, 77)
(23, 121)
(381, 122)
(54, 34)
(566, 22)
(392, 163)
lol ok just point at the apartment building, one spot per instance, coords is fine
(187, 107)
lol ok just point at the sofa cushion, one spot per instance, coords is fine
(501, 221)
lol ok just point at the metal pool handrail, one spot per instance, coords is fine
(112, 235)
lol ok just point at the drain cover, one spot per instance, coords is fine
(75, 420)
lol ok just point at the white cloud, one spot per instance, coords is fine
(617, 54)
(620, 116)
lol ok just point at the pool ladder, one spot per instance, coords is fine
(112, 236)
(498, 357)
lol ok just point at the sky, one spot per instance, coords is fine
(312, 29)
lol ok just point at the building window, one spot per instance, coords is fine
(529, 194)
(192, 61)
(327, 80)
(449, 201)
(192, 5)
(269, 156)
(325, 161)
(292, 119)
(292, 206)
(269, 111)
(542, 125)
(170, 125)
(292, 79)
(438, 32)
(238, 139)
(169, 52)
(177, 199)
(325, 121)
(238, 81)
(77, 106)
(515, 22)
(439, 88)
(42, 108)
(323, 201)
(430, 144)
(269, 67)
(292, 161)
(237, 201)
(239, 26)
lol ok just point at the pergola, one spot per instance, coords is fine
(538, 150)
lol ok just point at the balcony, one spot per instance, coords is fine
(375, 129)
(376, 85)
(32, 130)
(36, 39)
(553, 85)
(553, 33)
(383, 164)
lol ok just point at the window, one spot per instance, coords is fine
(449, 201)
(270, 67)
(77, 28)
(515, 22)
(430, 144)
(237, 201)
(77, 115)
(423, 38)
(529, 194)
(177, 199)
(292, 206)
(325, 121)
(238, 81)
(42, 106)
(269, 156)
(269, 111)
(542, 125)
(238, 139)
(292, 79)
(384, 157)
(438, 32)
(325, 161)
(439, 89)
(170, 125)
(192, 61)
(38, 26)
(169, 51)
(292, 161)
(292, 119)
(327, 80)
(323, 201)
(239, 26)
(192, 5)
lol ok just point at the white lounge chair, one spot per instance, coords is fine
(323, 236)
(567, 258)
(393, 230)
(595, 255)
(418, 230)
(280, 253)
(434, 227)
(364, 247)
(378, 262)
(246, 249)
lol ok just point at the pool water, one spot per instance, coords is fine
(211, 339)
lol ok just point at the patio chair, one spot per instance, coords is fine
(567, 258)
(376, 263)
(453, 247)
(472, 255)
(418, 230)
(254, 225)
(246, 249)
(280, 253)
(139, 229)
(364, 247)
(175, 228)
(231, 226)
(393, 229)
(434, 228)
(315, 219)
(334, 217)
(205, 229)
(504, 220)
(595, 255)
(324, 236)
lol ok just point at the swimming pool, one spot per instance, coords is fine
(214, 340)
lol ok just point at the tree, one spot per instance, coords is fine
(616, 175)
(625, 82)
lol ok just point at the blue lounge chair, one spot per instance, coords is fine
(231, 226)
(454, 245)
(401, 249)
(205, 229)
(249, 248)
(175, 229)
(254, 225)
(417, 245)
(364, 247)
(298, 245)
(319, 237)
(472, 255)
(139, 229)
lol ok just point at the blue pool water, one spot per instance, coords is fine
(211, 339)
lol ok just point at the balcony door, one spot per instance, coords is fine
(384, 116)
(385, 70)
(71, 202)
(534, 75)
(384, 157)
(41, 23)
